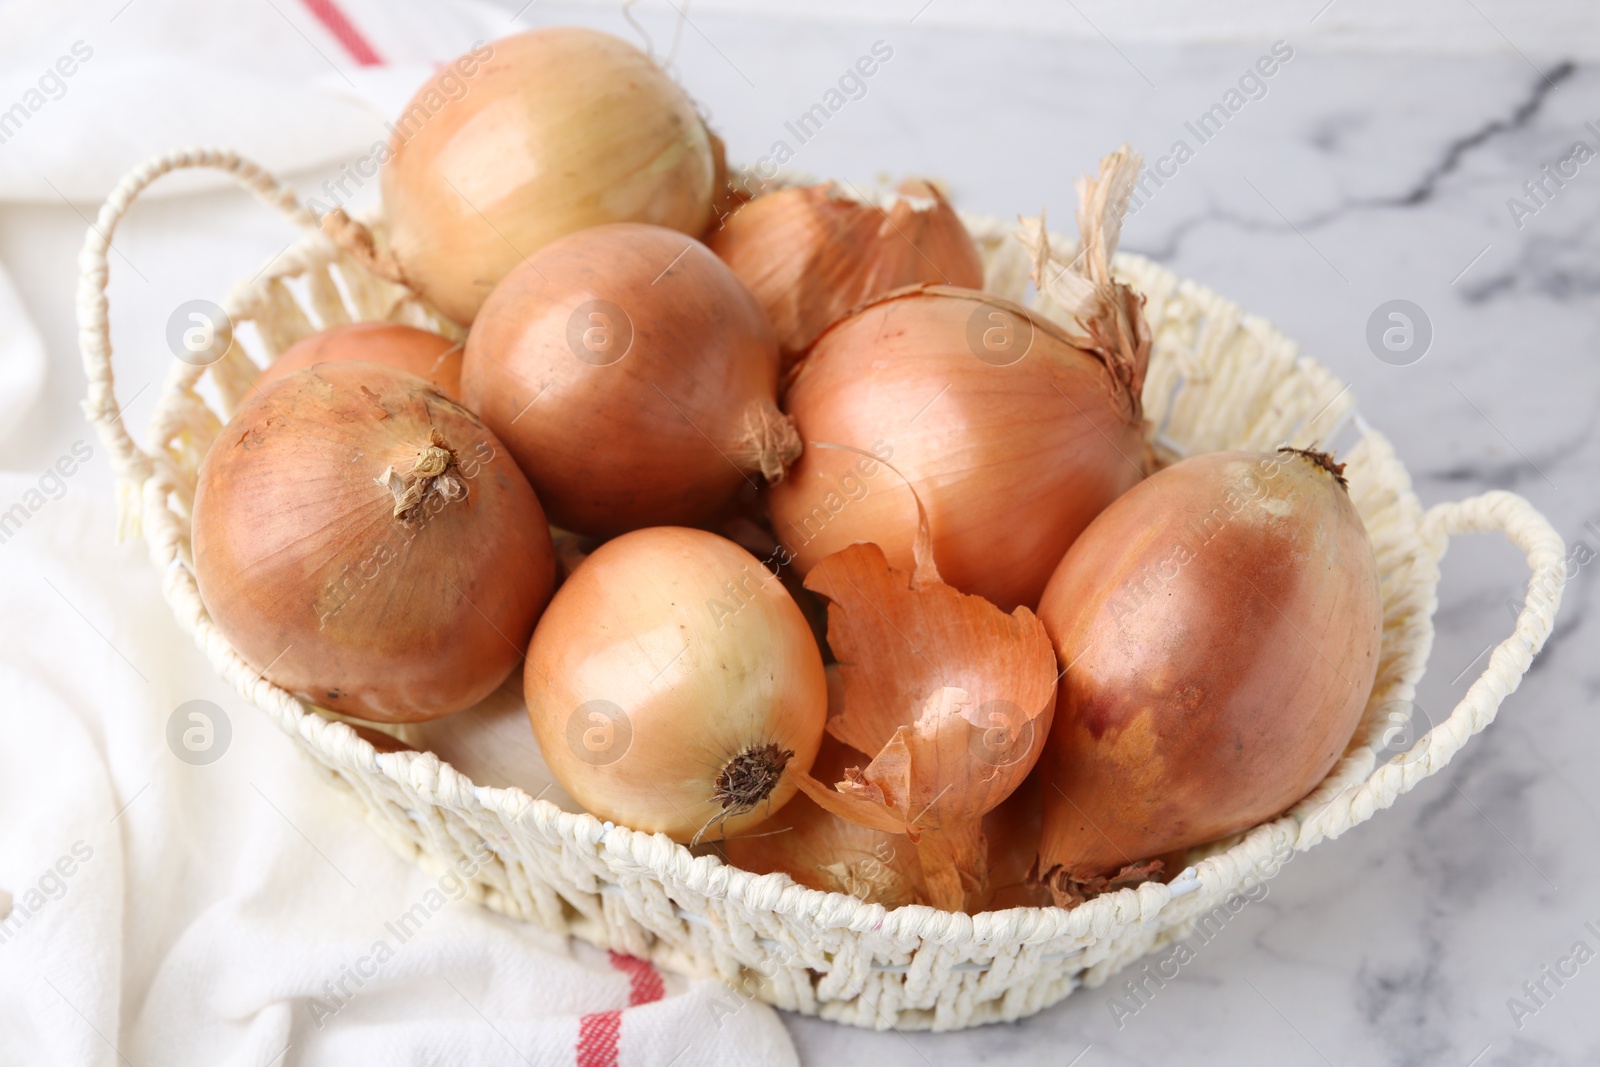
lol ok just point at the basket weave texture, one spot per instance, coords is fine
(1219, 379)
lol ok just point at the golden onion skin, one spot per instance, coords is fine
(625, 367)
(666, 655)
(531, 137)
(1012, 457)
(822, 851)
(811, 254)
(1219, 627)
(427, 355)
(306, 570)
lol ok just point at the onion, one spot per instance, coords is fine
(1220, 627)
(429, 356)
(812, 254)
(674, 687)
(633, 377)
(368, 544)
(1013, 431)
(534, 136)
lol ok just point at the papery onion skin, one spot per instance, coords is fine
(810, 254)
(1219, 628)
(304, 566)
(1012, 460)
(725, 196)
(691, 655)
(531, 137)
(429, 356)
(822, 851)
(1012, 830)
(950, 696)
(634, 378)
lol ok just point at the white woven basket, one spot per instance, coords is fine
(1218, 379)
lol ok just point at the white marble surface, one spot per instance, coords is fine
(1360, 177)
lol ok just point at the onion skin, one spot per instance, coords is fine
(950, 696)
(1011, 461)
(1219, 627)
(702, 655)
(556, 130)
(435, 359)
(821, 851)
(305, 568)
(1012, 830)
(665, 416)
(811, 254)
(725, 198)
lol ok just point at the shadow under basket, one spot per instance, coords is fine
(1219, 379)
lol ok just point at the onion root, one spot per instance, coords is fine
(747, 780)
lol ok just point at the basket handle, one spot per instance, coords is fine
(1530, 531)
(94, 329)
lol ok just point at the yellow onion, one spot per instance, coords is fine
(811, 254)
(674, 686)
(526, 139)
(368, 544)
(1219, 627)
(1013, 430)
(429, 356)
(633, 377)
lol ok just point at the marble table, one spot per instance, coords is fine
(1345, 180)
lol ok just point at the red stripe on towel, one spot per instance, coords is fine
(337, 23)
(644, 981)
(597, 1039)
(599, 1031)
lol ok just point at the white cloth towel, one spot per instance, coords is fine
(240, 911)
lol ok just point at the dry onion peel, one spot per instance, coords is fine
(1012, 830)
(952, 695)
(820, 850)
(811, 254)
(1106, 316)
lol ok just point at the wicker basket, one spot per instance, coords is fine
(1218, 379)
